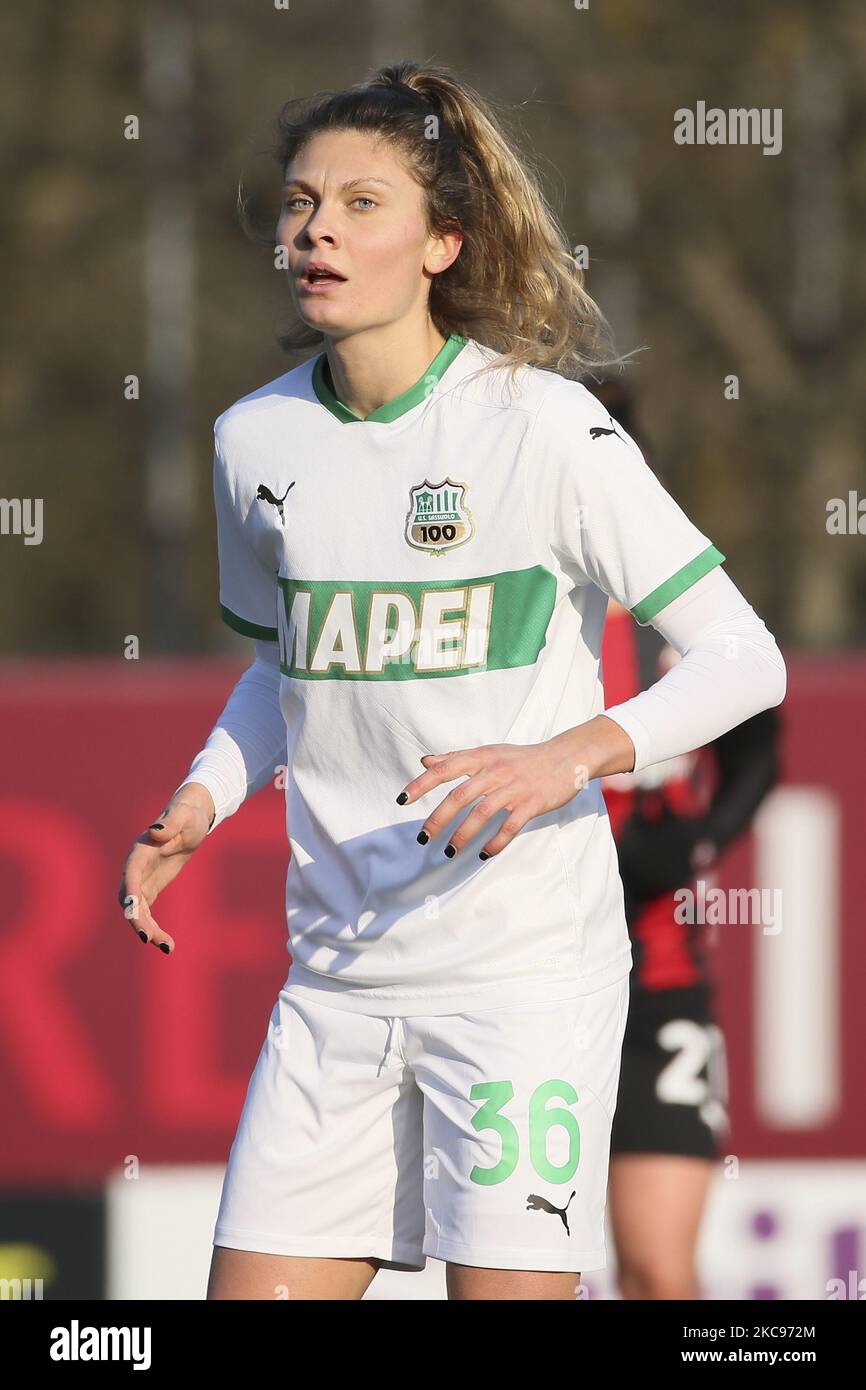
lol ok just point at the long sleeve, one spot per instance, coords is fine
(248, 742)
(730, 669)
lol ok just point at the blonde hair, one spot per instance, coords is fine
(515, 286)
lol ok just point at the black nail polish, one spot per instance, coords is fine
(450, 851)
(423, 837)
(143, 935)
(164, 946)
(402, 798)
(484, 854)
(157, 825)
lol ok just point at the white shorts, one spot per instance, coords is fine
(482, 1138)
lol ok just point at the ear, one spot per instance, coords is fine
(443, 252)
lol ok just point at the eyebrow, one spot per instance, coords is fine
(350, 183)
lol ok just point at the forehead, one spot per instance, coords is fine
(341, 156)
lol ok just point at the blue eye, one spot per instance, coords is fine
(302, 198)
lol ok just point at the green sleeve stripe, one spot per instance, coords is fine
(264, 634)
(647, 609)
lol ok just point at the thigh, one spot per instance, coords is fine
(249, 1274)
(656, 1205)
(518, 1104)
(470, 1282)
(326, 1161)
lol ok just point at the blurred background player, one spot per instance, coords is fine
(670, 823)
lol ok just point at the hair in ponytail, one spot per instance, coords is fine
(515, 286)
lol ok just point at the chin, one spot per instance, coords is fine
(323, 324)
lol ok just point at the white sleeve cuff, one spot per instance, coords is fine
(730, 669)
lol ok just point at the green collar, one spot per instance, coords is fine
(391, 410)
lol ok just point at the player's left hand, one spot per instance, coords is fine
(528, 779)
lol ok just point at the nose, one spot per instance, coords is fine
(318, 225)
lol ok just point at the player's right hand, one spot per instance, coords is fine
(156, 858)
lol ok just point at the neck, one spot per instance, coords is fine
(368, 369)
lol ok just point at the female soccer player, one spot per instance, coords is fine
(440, 1068)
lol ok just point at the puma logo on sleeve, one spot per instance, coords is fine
(598, 430)
(264, 494)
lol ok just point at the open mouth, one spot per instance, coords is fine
(322, 277)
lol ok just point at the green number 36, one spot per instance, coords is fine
(495, 1095)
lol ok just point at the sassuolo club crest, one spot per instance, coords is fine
(438, 518)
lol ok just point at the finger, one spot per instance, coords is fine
(165, 833)
(457, 800)
(446, 767)
(499, 798)
(131, 904)
(146, 926)
(506, 832)
(137, 913)
(129, 894)
(161, 939)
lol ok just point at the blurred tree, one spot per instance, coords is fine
(718, 259)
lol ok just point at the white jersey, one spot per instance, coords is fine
(436, 578)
